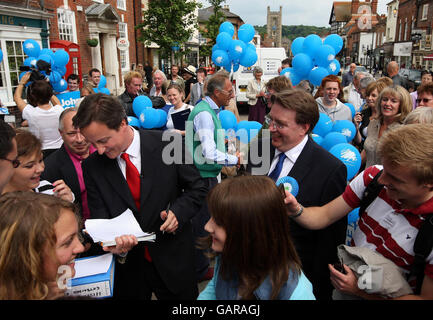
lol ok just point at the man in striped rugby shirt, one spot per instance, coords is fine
(390, 224)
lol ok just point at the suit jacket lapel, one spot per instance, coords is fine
(147, 167)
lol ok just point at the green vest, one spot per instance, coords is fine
(207, 167)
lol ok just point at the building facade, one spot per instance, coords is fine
(274, 26)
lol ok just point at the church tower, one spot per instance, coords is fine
(274, 26)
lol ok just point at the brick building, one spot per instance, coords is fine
(422, 35)
(406, 20)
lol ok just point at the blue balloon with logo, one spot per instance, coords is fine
(249, 57)
(30, 62)
(317, 139)
(133, 121)
(61, 58)
(311, 44)
(334, 67)
(316, 75)
(323, 125)
(302, 64)
(335, 41)
(246, 32)
(237, 49)
(102, 82)
(31, 48)
(346, 128)
(352, 108)
(349, 155)
(332, 139)
(291, 74)
(324, 55)
(297, 45)
(228, 119)
(290, 184)
(140, 103)
(149, 118)
(60, 86)
(224, 40)
(227, 27)
(220, 58)
(352, 224)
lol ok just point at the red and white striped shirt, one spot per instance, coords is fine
(384, 226)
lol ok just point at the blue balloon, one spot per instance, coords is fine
(140, 103)
(246, 32)
(335, 41)
(227, 27)
(332, 139)
(302, 64)
(60, 86)
(220, 58)
(31, 48)
(149, 118)
(162, 118)
(61, 70)
(334, 67)
(48, 52)
(61, 58)
(223, 40)
(237, 49)
(133, 121)
(54, 77)
(324, 55)
(297, 45)
(104, 91)
(323, 125)
(247, 130)
(235, 67)
(316, 75)
(46, 58)
(352, 108)
(290, 184)
(30, 62)
(102, 82)
(311, 44)
(228, 119)
(215, 47)
(346, 128)
(291, 74)
(96, 90)
(349, 155)
(249, 57)
(317, 139)
(1, 55)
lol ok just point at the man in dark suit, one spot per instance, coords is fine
(65, 163)
(129, 172)
(321, 178)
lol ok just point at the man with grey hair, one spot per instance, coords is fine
(206, 143)
(158, 80)
(363, 83)
(65, 163)
(352, 91)
(392, 69)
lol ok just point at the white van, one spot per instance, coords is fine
(269, 59)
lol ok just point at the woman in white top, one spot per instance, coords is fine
(256, 97)
(175, 95)
(42, 116)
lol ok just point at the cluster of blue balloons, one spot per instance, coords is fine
(147, 116)
(57, 59)
(336, 137)
(231, 53)
(102, 86)
(314, 59)
(244, 130)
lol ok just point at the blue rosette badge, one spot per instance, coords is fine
(290, 184)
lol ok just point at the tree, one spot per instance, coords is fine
(212, 25)
(168, 23)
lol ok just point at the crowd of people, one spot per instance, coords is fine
(247, 236)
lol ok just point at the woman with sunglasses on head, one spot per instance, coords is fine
(250, 237)
(27, 175)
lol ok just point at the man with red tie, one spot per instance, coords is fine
(128, 171)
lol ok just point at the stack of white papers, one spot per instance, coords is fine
(93, 265)
(106, 230)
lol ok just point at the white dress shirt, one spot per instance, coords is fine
(134, 154)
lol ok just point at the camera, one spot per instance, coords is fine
(40, 72)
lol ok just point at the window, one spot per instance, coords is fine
(66, 23)
(100, 1)
(123, 54)
(424, 12)
(121, 4)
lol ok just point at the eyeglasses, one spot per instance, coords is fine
(15, 162)
(274, 124)
(424, 100)
(230, 93)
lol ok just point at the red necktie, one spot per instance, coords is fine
(133, 180)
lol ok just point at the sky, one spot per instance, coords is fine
(295, 12)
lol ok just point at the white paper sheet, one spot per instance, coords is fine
(108, 229)
(94, 265)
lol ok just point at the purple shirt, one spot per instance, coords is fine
(76, 160)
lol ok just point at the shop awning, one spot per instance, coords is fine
(429, 57)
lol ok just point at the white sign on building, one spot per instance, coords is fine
(403, 49)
